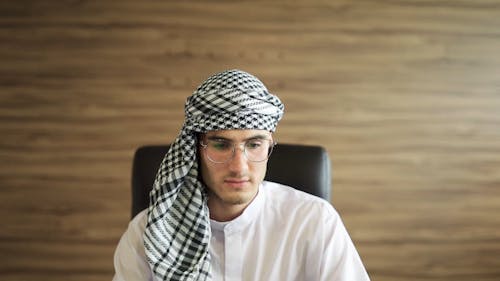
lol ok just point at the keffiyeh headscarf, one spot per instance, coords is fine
(177, 233)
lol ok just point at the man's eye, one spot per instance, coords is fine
(254, 144)
(220, 145)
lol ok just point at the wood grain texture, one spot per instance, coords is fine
(405, 95)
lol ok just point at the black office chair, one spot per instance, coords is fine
(303, 167)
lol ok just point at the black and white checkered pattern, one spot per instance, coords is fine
(177, 233)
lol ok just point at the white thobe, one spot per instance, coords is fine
(284, 234)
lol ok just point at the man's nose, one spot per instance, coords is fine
(239, 162)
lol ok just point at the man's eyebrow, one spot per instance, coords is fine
(255, 137)
(219, 138)
(259, 137)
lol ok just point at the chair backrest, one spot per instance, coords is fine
(303, 167)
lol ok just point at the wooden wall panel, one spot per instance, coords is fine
(404, 95)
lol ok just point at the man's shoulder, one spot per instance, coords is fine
(283, 196)
(280, 190)
(138, 223)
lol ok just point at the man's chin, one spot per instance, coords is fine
(237, 200)
(238, 197)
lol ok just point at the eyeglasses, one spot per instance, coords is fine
(221, 151)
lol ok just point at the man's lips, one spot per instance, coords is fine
(236, 182)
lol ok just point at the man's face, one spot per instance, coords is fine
(234, 183)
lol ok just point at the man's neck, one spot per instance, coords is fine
(223, 212)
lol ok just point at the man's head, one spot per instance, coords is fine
(234, 114)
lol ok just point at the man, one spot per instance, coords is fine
(213, 217)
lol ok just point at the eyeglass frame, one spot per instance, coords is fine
(271, 148)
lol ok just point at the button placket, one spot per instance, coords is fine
(234, 259)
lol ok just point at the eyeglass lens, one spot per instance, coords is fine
(222, 151)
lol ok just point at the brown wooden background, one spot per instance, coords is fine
(405, 95)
